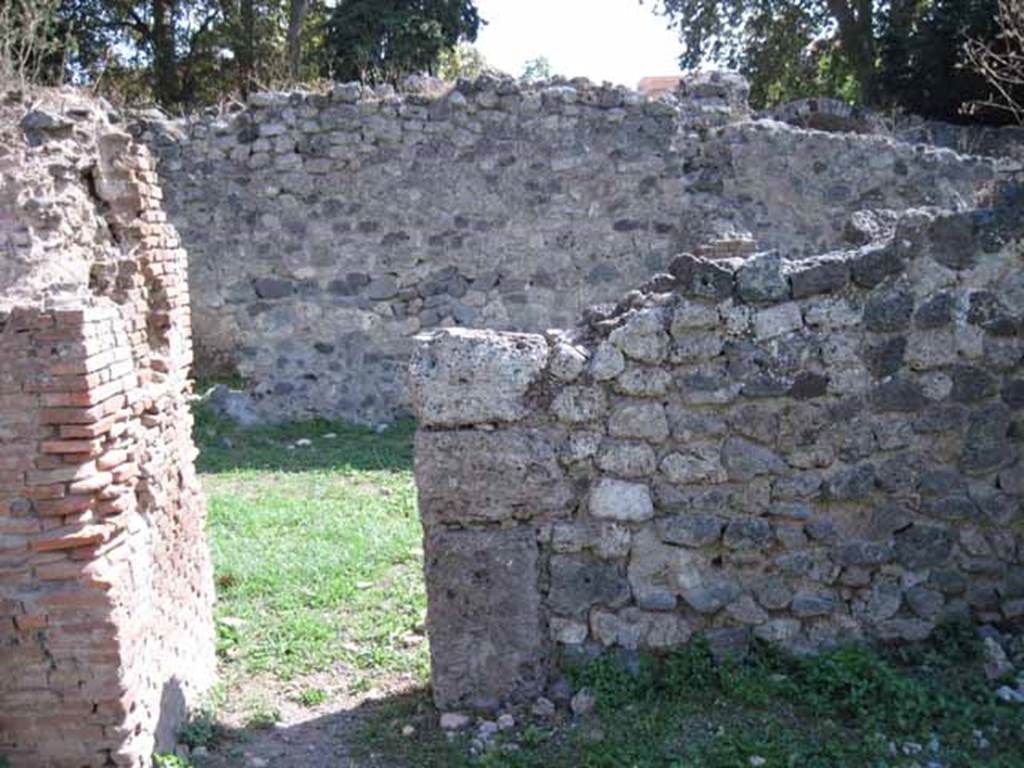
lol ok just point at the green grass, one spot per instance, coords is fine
(316, 549)
(856, 706)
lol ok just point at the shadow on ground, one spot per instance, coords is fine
(300, 446)
(336, 738)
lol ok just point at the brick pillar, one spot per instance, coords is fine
(106, 631)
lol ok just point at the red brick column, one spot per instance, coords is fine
(105, 580)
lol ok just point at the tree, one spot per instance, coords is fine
(385, 40)
(464, 60)
(538, 68)
(168, 38)
(920, 58)
(741, 33)
(30, 42)
(1000, 62)
(296, 16)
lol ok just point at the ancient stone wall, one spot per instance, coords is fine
(325, 230)
(805, 452)
(105, 579)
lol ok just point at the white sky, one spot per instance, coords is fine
(616, 40)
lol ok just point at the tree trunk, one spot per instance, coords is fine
(296, 16)
(857, 37)
(165, 64)
(247, 47)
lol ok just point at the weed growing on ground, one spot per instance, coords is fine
(200, 730)
(262, 716)
(312, 697)
(858, 705)
(167, 761)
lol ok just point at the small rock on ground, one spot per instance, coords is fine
(543, 707)
(454, 721)
(582, 702)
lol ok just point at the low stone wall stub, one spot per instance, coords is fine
(806, 452)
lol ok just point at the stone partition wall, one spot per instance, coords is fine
(105, 579)
(326, 230)
(805, 452)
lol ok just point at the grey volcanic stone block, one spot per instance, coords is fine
(871, 265)
(690, 530)
(889, 309)
(923, 547)
(273, 287)
(987, 445)
(760, 278)
(621, 500)
(701, 278)
(487, 643)
(744, 460)
(473, 476)
(953, 242)
(936, 312)
(460, 376)
(578, 583)
(824, 274)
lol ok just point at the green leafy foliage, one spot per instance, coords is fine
(462, 61)
(538, 68)
(905, 54)
(312, 697)
(854, 706)
(381, 41)
(166, 760)
(787, 48)
(186, 54)
(921, 60)
(200, 730)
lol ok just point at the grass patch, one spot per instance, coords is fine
(316, 546)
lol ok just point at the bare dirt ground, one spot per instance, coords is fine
(324, 735)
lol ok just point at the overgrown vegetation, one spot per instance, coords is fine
(30, 45)
(384, 40)
(1000, 63)
(856, 706)
(186, 54)
(168, 760)
(898, 54)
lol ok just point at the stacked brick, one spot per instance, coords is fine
(105, 579)
(802, 452)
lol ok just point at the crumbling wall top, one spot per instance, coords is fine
(56, 199)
